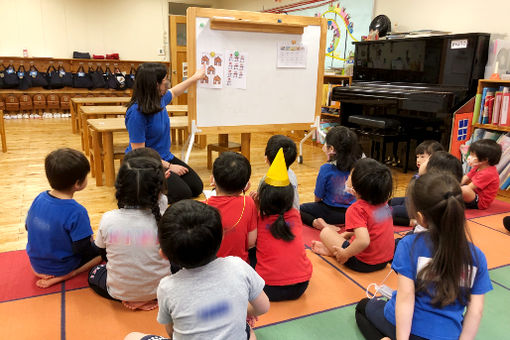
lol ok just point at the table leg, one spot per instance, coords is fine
(73, 116)
(245, 144)
(96, 145)
(84, 131)
(109, 169)
(2, 132)
(223, 140)
(78, 119)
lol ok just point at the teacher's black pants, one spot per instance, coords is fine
(182, 187)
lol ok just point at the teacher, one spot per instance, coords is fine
(148, 125)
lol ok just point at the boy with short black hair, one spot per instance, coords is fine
(445, 162)
(231, 176)
(480, 185)
(210, 297)
(60, 243)
(398, 204)
(290, 153)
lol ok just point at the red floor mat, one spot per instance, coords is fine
(497, 207)
(18, 280)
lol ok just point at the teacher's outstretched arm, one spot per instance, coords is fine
(179, 89)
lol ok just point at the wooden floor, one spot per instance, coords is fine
(23, 177)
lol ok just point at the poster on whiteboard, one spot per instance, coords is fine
(214, 64)
(236, 69)
(291, 54)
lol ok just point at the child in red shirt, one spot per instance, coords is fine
(231, 175)
(367, 244)
(480, 186)
(281, 256)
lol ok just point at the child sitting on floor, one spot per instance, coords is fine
(440, 162)
(151, 153)
(281, 256)
(442, 277)
(290, 152)
(210, 297)
(367, 244)
(60, 243)
(331, 198)
(398, 204)
(480, 186)
(231, 176)
(129, 237)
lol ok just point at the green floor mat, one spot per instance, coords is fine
(334, 324)
(495, 321)
(501, 276)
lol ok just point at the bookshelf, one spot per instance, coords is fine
(483, 83)
(332, 80)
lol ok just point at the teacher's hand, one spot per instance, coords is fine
(165, 164)
(200, 73)
(178, 169)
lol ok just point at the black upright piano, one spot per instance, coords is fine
(418, 81)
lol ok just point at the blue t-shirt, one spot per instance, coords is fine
(428, 321)
(53, 224)
(330, 186)
(153, 130)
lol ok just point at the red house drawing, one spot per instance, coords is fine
(217, 61)
(205, 80)
(211, 70)
(217, 80)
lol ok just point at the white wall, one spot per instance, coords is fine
(459, 16)
(136, 29)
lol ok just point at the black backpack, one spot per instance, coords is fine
(97, 78)
(11, 79)
(24, 79)
(37, 78)
(81, 79)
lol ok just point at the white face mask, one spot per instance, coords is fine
(472, 161)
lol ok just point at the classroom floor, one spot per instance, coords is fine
(72, 311)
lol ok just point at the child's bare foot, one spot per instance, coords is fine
(42, 276)
(45, 283)
(319, 248)
(142, 305)
(320, 224)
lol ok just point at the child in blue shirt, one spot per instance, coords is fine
(440, 272)
(331, 198)
(60, 243)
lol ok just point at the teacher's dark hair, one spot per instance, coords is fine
(146, 88)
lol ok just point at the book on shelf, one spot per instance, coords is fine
(492, 106)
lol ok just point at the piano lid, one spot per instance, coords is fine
(444, 60)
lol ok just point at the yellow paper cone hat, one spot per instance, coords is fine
(277, 175)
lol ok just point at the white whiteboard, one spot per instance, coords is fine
(272, 95)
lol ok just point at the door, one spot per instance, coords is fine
(177, 30)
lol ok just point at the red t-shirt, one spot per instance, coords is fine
(377, 219)
(235, 239)
(282, 263)
(487, 184)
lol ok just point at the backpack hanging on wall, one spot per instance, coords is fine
(2, 75)
(53, 78)
(121, 79)
(37, 78)
(130, 78)
(11, 79)
(24, 79)
(81, 79)
(67, 77)
(97, 77)
(111, 80)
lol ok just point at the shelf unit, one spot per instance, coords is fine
(482, 83)
(335, 79)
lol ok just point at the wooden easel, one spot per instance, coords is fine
(239, 21)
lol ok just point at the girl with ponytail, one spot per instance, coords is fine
(440, 272)
(281, 256)
(128, 237)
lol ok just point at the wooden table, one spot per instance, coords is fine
(102, 144)
(87, 112)
(100, 111)
(76, 103)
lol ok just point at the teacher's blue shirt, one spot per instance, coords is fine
(153, 130)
